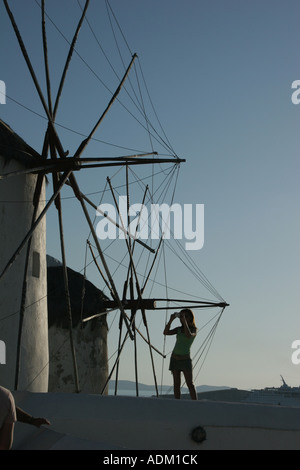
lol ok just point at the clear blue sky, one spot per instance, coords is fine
(220, 75)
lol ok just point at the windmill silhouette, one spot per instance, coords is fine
(56, 164)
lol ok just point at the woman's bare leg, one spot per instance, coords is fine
(177, 383)
(189, 381)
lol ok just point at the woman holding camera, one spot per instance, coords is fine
(180, 359)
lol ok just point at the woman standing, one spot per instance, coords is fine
(180, 359)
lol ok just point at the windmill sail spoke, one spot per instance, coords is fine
(71, 50)
(82, 203)
(67, 298)
(192, 304)
(138, 288)
(64, 264)
(45, 48)
(138, 222)
(73, 164)
(152, 265)
(33, 76)
(85, 142)
(101, 273)
(52, 112)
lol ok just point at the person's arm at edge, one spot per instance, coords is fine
(26, 418)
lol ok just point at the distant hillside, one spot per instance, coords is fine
(129, 385)
(211, 388)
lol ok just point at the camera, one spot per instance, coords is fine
(177, 315)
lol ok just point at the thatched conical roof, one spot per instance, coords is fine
(12, 146)
(57, 311)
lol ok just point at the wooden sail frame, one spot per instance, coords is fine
(62, 168)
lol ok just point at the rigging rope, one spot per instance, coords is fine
(207, 344)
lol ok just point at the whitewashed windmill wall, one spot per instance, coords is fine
(90, 338)
(16, 209)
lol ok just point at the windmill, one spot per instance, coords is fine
(57, 165)
(25, 282)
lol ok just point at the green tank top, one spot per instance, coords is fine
(183, 343)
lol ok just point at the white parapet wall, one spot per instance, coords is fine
(111, 422)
